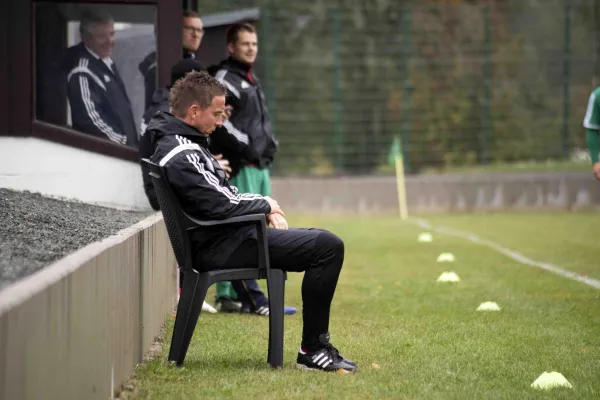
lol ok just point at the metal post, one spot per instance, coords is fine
(566, 80)
(486, 128)
(337, 98)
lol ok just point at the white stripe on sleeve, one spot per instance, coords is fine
(220, 76)
(93, 113)
(232, 130)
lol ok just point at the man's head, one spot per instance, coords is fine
(242, 42)
(98, 33)
(199, 100)
(193, 31)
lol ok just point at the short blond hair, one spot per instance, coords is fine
(197, 87)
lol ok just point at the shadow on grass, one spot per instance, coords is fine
(227, 362)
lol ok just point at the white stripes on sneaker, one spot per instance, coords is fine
(262, 311)
(322, 359)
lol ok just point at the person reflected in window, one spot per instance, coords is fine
(97, 96)
(193, 32)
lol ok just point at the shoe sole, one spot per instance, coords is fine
(305, 368)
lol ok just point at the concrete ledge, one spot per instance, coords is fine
(438, 193)
(76, 329)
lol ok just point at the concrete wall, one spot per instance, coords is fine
(76, 329)
(438, 193)
(57, 170)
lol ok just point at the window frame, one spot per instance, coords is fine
(18, 75)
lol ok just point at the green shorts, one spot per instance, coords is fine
(248, 180)
(253, 180)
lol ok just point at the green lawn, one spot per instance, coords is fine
(426, 337)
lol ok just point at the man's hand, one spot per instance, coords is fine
(277, 221)
(275, 209)
(224, 164)
(596, 169)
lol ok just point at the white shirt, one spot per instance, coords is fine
(107, 60)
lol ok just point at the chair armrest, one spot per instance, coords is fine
(259, 220)
(233, 220)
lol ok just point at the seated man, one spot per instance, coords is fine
(197, 103)
(252, 298)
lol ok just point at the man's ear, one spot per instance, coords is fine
(193, 111)
(230, 47)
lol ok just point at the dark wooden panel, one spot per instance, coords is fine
(213, 48)
(106, 1)
(50, 89)
(20, 68)
(4, 68)
(168, 39)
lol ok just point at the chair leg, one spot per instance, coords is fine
(182, 314)
(193, 294)
(276, 289)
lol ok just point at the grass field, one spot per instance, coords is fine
(426, 337)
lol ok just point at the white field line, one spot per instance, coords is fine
(510, 253)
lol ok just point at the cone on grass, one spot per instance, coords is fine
(488, 306)
(425, 237)
(550, 380)
(448, 277)
(446, 257)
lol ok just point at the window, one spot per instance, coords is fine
(92, 64)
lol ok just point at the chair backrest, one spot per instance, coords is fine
(176, 220)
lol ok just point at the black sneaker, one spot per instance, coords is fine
(227, 305)
(327, 358)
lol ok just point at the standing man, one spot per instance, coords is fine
(97, 96)
(592, 124)
(193, 31)
(249, 120)
(249, 114)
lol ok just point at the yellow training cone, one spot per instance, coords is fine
(549, 380)
(448, 277)
(488, 306)
(425, 237)
(446, 257)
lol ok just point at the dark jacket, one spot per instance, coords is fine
(200, 184)
(148, 70)
(250, 116)
(98, 99)
(160, 102)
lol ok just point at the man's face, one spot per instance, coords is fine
(101, 39)
(209, 119)
(193, 30)
(246, 47)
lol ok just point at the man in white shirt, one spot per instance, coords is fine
(97, 96)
